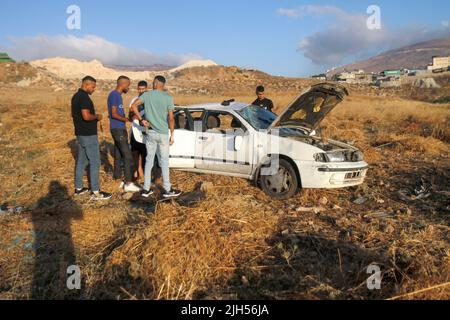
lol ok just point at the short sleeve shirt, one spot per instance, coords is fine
(157, 105)
(82, 101)
(115, 100)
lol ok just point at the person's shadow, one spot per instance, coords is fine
(53, 246)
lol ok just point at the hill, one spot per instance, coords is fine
(202, 77)
(411, 57)
(75, 69)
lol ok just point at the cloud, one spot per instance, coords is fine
(347, 37)
(87, 48)
(290, 13)
(303, 11)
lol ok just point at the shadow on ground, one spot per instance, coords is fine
(53, 244)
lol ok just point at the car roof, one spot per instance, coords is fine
(217, 106)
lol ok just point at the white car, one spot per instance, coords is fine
(280, 153)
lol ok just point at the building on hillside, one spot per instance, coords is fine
(415, 72)
(5, 58)
(439, 63)
(357, 76)
(320, 77)
(392, 73)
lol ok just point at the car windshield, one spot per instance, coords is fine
(259, 118)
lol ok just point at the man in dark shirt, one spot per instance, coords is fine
(85, 122)
(262, 101)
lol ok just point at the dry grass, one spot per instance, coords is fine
(237, 243)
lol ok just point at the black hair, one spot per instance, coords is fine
(123, 78)
(142, 84)
(161, 79)
(89, 78)
(260, 89)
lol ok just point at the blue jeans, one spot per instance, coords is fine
(88, 154)
(157, 144)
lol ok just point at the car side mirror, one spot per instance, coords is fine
(238, 140)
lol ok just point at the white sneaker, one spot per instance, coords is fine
(122, 185)
(131, 187)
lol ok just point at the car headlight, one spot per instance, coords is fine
(336, 157)
(330, 157)
(341, 156)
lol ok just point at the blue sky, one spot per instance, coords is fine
(282, 37)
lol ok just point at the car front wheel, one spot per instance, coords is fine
(283, 184)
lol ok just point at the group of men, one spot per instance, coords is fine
(153, 122)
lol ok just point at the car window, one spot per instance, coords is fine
(259, 118)
(180, 119)
(222, 122)
(185, 119)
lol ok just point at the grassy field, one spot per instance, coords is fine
(236, 242)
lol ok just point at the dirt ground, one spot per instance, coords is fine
(235, 242)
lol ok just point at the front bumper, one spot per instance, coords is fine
(331, 175)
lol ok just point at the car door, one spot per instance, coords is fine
(215, 148)
(182, 152)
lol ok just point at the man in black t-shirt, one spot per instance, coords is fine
(85, 122)
(262, 101)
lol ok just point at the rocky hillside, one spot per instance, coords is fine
(74, 69)
(65, 74)
(410, 57)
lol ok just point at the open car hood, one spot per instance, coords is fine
(310, 107)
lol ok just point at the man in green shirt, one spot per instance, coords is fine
(159, 120)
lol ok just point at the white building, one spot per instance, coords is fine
(439, 63)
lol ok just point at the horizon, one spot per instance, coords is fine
(286, 38)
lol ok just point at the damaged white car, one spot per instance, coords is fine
(281, 153)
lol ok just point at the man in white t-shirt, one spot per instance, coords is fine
(137, 137)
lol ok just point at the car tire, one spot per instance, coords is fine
(284, 184)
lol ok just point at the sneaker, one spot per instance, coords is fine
(98, 196)
(131, 187)
(80, 192)
(122, 185)
(172, 194)
(147, 194)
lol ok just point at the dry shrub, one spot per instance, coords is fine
(182, 252)
(429, 145)
(424, 145)
(187, 252)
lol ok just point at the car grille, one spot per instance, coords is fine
(353, 175)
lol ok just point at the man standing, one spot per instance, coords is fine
(158, 108)
(138, 148)
(261, 100)
(85, 121)
(119, 133)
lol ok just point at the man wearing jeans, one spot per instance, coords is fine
(119, 133)
(85, 121)
(158, 114)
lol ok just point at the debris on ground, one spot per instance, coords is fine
(378, 215)
(360, 200)
(4, 209)
(309, 209)
(323, 201)
(422, 190)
